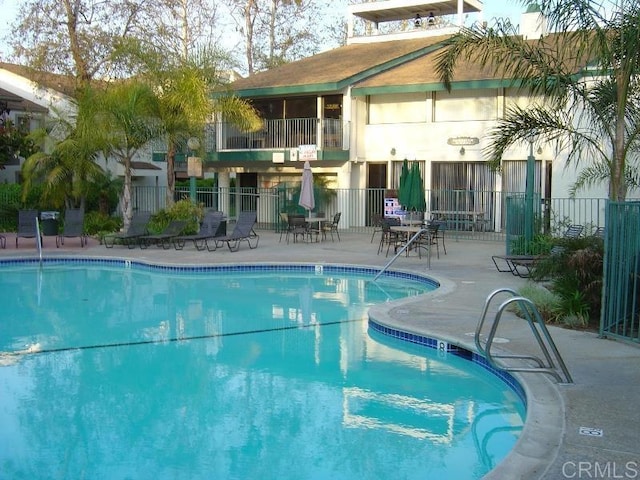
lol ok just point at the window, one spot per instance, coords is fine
(397, 108)
(465, 105)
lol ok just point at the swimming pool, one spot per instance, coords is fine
(115, 369)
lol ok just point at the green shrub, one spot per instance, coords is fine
(539, 244)
(181, 210)
(544, 300)
(575, 274)
(98, 224)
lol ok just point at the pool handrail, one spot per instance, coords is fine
(404, 247)
(533, 318)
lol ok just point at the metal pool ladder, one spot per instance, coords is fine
(404, 247)
(552, 364)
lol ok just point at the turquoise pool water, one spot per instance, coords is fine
(114, 371)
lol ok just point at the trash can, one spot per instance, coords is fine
(49, 223)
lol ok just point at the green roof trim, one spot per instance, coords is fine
(290, 90)
(433, 87)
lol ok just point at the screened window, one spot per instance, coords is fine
(514, 176)
(481, 104)
(463, 187)
(397, 108)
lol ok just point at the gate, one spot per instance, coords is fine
(621, 282)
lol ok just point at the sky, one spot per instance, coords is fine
(492, 8)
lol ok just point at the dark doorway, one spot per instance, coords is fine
(248, 185)
(376, 188)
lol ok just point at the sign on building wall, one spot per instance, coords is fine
(307, 152)
(194, 167)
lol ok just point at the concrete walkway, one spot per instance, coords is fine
(561, 438)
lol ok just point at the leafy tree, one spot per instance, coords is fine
(586, 76)
(72, 37)
(83, 38)
(277, 31)
(178, 28)
(13, 141)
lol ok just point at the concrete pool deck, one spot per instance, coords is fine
(558, 440)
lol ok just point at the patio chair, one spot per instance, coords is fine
(137, 228)
(599, 232)
(388, 236)
(27, 225)
(332, 227)
(242, 232)
(164, 238)
(298, 227)
(285, 227)
(376, 223)
(518, 265)
(209, 229)
(436, 230)
(573, 231)
(73, 227)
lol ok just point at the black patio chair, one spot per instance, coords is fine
(27, 225)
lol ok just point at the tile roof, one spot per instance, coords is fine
(60, 83)
(399, 63)
(338, 65)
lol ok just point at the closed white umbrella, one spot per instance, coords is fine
(307, 199)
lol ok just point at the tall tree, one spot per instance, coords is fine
(188, 94)
(73, 37)
(83, 38)
(127, 113)
(277, 31)
(585, 73)
(179, 28)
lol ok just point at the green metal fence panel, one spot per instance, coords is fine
(621, 282)
(516, 229)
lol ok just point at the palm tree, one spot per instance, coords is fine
(585, 76)
(184, 89)
(127, 113)
(69, 168)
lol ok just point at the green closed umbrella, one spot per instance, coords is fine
(416, 200)
(404, 190)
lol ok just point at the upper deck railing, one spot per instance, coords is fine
(284, 133)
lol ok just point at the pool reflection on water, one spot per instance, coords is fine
(138, 373)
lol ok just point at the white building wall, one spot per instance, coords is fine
(59, 105)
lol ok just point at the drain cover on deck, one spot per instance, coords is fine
(591, 431)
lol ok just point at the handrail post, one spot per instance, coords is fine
(39, 240)
(404, 247)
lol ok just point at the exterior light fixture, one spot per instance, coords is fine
(462, 151)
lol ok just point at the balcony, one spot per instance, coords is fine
(326, 133)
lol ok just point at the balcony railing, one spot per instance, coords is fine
(326, 133)
(282, 134)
